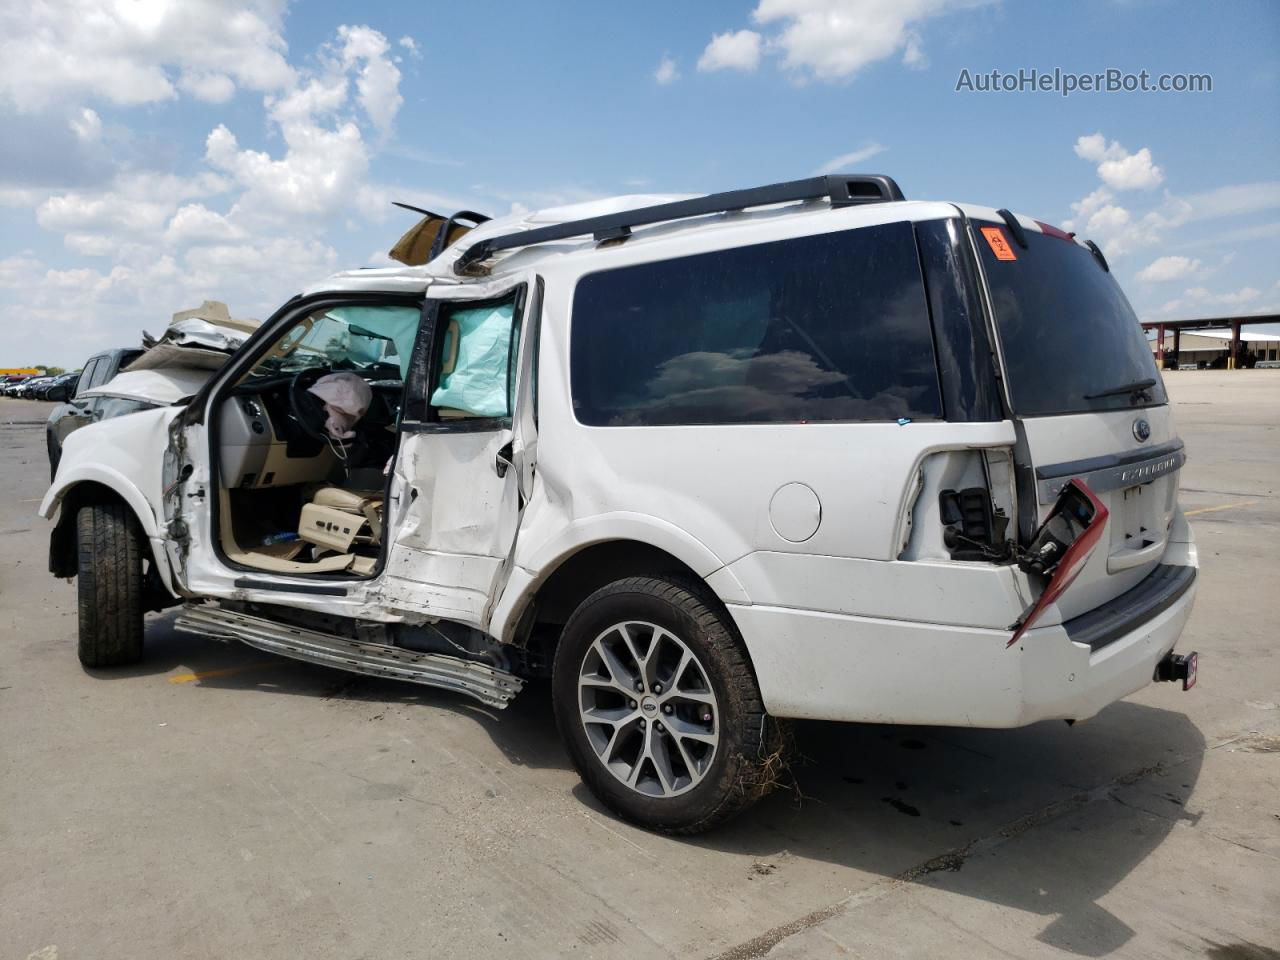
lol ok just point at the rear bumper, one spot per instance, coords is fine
(836, 667)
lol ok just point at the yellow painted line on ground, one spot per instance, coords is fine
(224, 672)
(1225, 506)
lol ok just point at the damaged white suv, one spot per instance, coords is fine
(805, 450)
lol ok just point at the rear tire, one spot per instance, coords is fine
(109, 575)
(675, 740)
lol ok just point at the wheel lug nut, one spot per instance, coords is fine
(658, 726)
(639, 687)
(667, 708)
(633, 704)
(657, 688)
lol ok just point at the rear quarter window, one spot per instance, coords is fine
(833, 327)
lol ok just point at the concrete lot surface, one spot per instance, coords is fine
(215, 802)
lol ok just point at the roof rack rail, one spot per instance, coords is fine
(843, 190)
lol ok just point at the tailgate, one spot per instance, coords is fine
(1136, 481)
(1086, 397)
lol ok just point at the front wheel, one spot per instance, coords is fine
(110, 585)
(659, 708)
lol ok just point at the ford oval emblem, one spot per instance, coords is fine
(1141, 430)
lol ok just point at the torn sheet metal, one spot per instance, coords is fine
(202, 338)
(162, 387)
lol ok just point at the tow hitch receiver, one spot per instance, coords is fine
(1175, 667)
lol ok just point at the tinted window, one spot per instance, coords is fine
(86, 376)
(102, 371)
(832, 327)
(1066, 330)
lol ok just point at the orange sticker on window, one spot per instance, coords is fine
(998, 244)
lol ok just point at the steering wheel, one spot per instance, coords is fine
(309, 414)
(305, 407)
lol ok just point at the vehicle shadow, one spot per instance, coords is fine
(919, 804)
(926, 805)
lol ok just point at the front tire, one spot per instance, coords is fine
(109, 582)
(659, 709)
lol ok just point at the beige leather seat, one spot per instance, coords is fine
(336, 519)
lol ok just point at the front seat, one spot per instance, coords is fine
(335, 519)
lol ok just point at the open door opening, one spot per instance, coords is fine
(305, 441)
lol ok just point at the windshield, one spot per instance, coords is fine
(1070, 340)
(329, 340)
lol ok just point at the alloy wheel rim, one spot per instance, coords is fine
(648, 709)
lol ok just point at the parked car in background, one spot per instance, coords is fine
(78, 410)
(60, 388)
(26, 390)
(10, 383)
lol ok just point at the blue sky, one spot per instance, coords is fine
(160, 154)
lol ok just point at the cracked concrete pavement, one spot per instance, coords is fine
(216, 802)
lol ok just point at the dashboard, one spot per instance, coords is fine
(262, 446)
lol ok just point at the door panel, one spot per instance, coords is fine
(456, 497)
(454, 525)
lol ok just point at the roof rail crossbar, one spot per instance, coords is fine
(842, 189)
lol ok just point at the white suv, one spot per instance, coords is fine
(807, 450)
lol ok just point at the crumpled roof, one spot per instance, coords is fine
(202, 338)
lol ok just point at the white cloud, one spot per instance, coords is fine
(846, 162)
(246, 228)
(1117, 167)
(364, 52)
(1202, 299)
(136, 207)
(127, 53)
(1232, 200)
(86, 124)
(1164, 269)
(1243, 295)
(211, 87)
(667, 72)
(731, 51)
(1099, 217)
(411, 45)
(17, 271)
(834, 39)
(318, 174)
(194, 223)
(326, 159)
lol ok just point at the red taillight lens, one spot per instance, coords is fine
(1072, 561)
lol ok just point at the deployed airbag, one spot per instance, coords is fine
(477, 355)
(346, 399)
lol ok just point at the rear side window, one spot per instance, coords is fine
(87, 375)
(102, 372)
(827, 328)
(1069, 338)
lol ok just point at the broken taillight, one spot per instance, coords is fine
(1061, 547)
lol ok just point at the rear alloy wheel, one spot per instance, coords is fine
(647, 709)
(659, 708)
